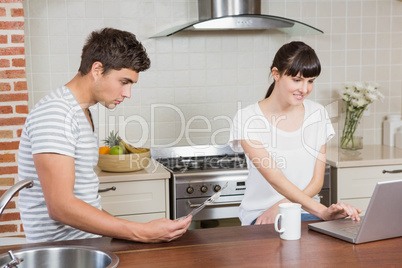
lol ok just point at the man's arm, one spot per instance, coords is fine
(57, 176)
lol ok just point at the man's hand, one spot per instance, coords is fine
(163, 230)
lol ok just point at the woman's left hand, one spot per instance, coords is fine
(268, 216)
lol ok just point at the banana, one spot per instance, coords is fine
(131, 149)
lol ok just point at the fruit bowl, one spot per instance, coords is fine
(124, 162)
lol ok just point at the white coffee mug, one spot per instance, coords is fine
(289, 218)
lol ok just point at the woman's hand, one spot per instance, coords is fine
(268, 216)
(341, 210)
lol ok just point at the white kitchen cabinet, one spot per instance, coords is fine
(139, 201)
(139, 196)
(355, 185)
(354, 176)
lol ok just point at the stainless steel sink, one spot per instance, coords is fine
(60, 257)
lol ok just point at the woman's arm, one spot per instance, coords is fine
(268, 168)
(315, 185)
(313, 188)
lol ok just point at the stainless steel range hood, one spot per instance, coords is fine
(238, 15)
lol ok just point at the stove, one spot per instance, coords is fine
(197, 172)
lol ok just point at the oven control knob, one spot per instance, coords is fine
(190, 190)
(217, 188)
(204, 189)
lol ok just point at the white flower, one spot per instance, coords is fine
(360, 94)
(371, 88)
(380, 95)
(346, 97)
(359, 86)
(358, 103)
(371, 97)
(362, 102)
(357, 96)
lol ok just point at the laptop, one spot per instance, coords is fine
(383, 218)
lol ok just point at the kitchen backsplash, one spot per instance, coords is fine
(198, 80)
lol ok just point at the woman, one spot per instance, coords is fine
(284, 138)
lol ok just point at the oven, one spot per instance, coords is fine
(197, 172)
(193, 190)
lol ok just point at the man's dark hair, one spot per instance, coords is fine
(115, 49)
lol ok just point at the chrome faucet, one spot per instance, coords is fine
(14, 261)
(12, 191)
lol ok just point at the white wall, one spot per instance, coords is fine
(211, 75)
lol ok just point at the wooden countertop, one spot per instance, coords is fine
(154, 171)
(370, 155)
(246, 246)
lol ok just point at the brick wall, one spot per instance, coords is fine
(13, 105)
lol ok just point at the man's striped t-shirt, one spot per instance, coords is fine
(57, 124)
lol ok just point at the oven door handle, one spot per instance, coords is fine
(221, 204)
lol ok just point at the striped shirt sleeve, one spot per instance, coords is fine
(53, 128)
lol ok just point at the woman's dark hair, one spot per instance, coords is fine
(295, 58)
(115, 49)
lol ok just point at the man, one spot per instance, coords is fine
(59, 149)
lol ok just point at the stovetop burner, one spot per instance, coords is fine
(184, 164)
